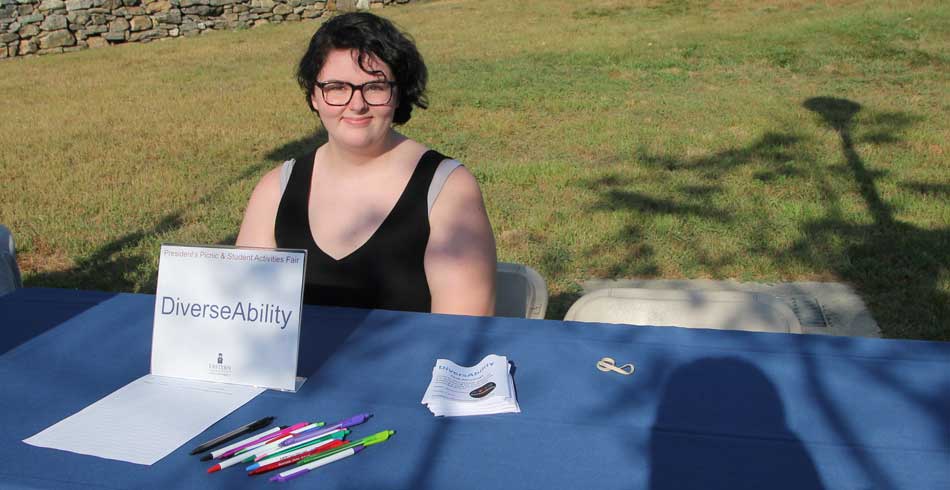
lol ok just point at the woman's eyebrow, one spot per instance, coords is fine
(381, 77)
(375, 73)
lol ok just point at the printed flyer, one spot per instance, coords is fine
(482, 389)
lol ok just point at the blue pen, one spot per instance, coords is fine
(319, 431)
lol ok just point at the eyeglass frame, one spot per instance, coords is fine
(353, 88)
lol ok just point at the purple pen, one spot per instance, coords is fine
(321, 431)
(303, 470)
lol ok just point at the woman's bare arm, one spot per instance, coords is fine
(257, 229)
(460, 259)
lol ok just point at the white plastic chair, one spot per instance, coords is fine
(9, 271)
(520, 292)
(723, 310)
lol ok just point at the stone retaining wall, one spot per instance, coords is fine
(30, 27)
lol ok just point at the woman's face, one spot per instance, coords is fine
(357, 124)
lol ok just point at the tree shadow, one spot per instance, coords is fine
(317, 345)
(230, 239)
(560, 303)
(774, 148)
(467, 351)
(895, 266)
(936, 190)
(29, 324)
(624, 200)
(114, 266)
(616, 193)
(301, 146)
(118, 266)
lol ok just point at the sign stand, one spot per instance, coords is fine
(229, 314)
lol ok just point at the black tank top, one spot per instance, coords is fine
(387, 271)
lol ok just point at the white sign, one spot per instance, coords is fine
(228, 314)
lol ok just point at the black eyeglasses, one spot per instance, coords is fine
(373, 93)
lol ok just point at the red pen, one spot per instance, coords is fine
(294, 459)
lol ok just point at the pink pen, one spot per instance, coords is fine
(264, 439)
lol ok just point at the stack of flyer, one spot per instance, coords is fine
(482, 389)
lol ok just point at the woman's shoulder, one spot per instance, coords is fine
(454, 189)
(414, 151)
(460, 179)
(257, 229)
(272, 183)
(410, 150)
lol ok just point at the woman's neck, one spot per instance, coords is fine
(342, 156)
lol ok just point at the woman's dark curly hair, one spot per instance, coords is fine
(369, 35)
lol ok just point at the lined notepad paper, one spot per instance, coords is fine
(145, 420)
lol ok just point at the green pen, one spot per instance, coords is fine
(366, 441)
(339, 434)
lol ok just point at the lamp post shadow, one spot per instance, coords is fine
(905, 292)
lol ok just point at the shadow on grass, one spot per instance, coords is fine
(937, 190)
(559, 303)
(617, 194)
(895, 266)
(298, 147)
(772, 147)
(115, 266)
(120, 266)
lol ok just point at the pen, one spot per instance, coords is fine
(302, 470)
(340, 434)
(249, 454)
(343, 424)
(281, 451)
(252, 453)
(257, 468)
(227, 463)
(245, 457)
(261, 440)
(219, 452)
(331, 456)
(366, 441)
(270, 446)
(217, 441)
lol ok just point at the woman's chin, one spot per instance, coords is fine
(358, 138)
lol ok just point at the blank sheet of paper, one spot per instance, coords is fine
(145, 420)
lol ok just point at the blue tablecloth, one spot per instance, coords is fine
(705, 409)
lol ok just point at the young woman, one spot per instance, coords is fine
(387, 222)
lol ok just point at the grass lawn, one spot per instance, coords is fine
(751, 140)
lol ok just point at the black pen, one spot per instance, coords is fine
(217, 441)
